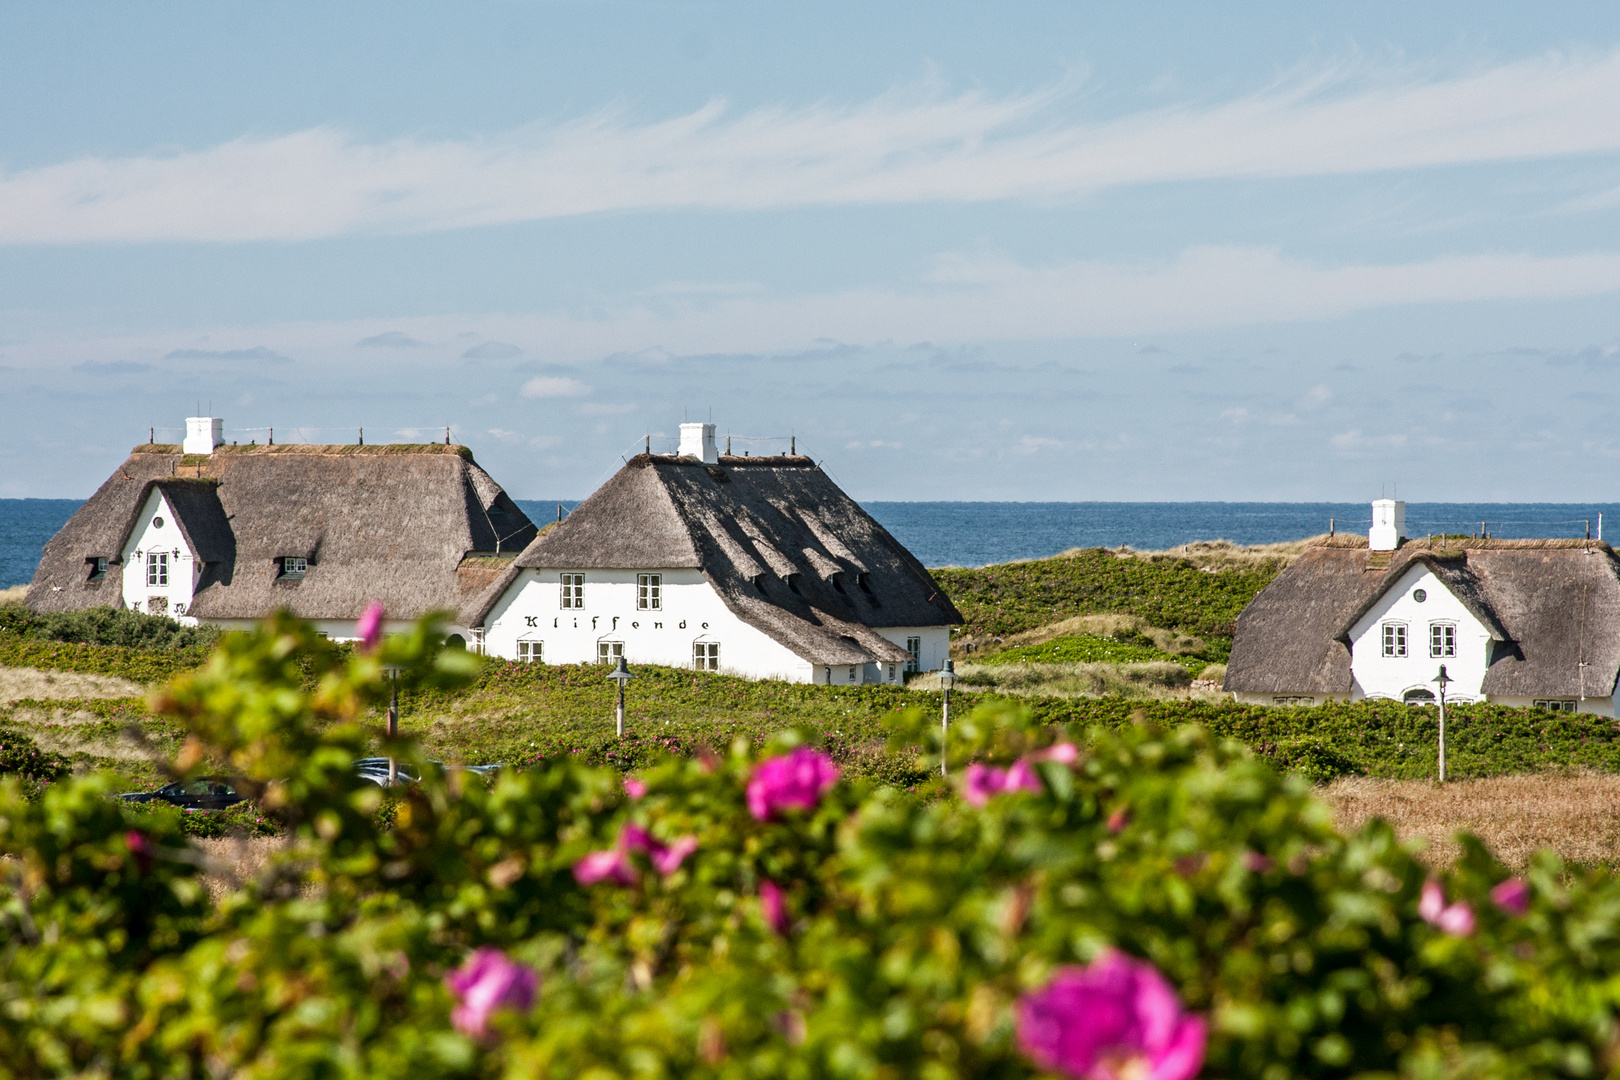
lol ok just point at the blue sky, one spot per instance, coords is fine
(1010, 251)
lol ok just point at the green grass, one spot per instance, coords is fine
(1089, 649)
(1164, 590)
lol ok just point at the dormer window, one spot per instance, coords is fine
(294, 566)
(862, 582)
(759, 583)
(98, 567)
(793, 584)
(838, 583)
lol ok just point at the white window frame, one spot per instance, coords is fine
(649, 592)
(914, 647)
(1555, 704)
(571, 594)
(294, 566)
(609, 652)
(531, 652)
(1394, 639)
(157, 569)
(1442, 639)
(705, 656)
(854, 673)
(98, 567)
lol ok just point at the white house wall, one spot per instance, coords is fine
(935, 640)
(1375, 675)
(184, 569)
(531, 610)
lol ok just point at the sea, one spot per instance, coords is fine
(980, 533)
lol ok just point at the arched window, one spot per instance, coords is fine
(1418, 696)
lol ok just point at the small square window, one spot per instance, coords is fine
(1442, 639)
(531, 652)
(573, 591)
(157, 568)
(1556, 704)
(706, 655)
(1394, 639)
(609, 652)
(650, 592)
(98, 567)
(292, 566)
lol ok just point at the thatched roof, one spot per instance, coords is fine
(392, 523)
(757, 527)
(1552, 607)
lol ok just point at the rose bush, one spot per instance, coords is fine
(1124, 903)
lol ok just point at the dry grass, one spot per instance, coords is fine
(1162, 679)
(233, 861)
(1104, 625)
(19, 683)
(1217, 555)
(1577, 814)
(13, 596)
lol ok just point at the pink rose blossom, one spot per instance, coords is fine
(774, 904)
(1454, 919)
(797, 781)
(1256, 863)
(667, 860)
(610, 865)
(370, 626)
(1117, 1019)
(142, 848)
(980, 783)
(1512, 896)
(1120, 818)
(486, 982)
(1064, 753)
(634, 788)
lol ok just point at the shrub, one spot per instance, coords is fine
(108, 626)
(821, 928)
(1313, 759)
(19, 756)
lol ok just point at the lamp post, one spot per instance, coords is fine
(947, 678)
(620, 675)
(393, 671)
(1443, 680)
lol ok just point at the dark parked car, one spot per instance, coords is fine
(375, 769)
(208, 793)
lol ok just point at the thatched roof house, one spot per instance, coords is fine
(228, 535)
(760, 565)
(1522, 622)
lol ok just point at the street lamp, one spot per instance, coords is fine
(620, 675)
(1444, 680)
(947, 678)
(393, 671)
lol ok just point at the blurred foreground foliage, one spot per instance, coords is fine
(912, 922)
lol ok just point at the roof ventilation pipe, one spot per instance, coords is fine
(203, 433)
(697, 440)
(1388, 525)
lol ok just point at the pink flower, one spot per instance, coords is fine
(1064, 753)
(370, 626)
(1256, 863)
(667, 860)
(1512, 896)
(796, 781)
(610, 865)
(774, 904)
(486, 982)
(980, 783)
(1114, 1020)
(1454, 919)
(634, 788)
(142, 848)
(1120, 818)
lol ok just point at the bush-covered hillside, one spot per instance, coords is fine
(106, 626)
(1165, 590)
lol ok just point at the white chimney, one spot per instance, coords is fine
(697, 440)
(1388, 525)
(203, 433)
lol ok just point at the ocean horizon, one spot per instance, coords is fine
(982, 533)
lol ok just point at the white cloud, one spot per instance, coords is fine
(901, 147)
(546, 386)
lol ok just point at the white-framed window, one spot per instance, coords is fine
(98, 568)
(1556, 704)
(573, 591)
(914, 647)
(1292, 699)
(854, 673)
(650, 592)
(531, 652)
(1442, 639)
(608, 652)
(706, 655)
(1394, 639)
(157, 568)
(294, 566)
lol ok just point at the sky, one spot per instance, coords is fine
(1010, 251)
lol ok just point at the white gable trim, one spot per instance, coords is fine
(1377, 675)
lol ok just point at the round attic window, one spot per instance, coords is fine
(1419, 595)
(157, 523)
